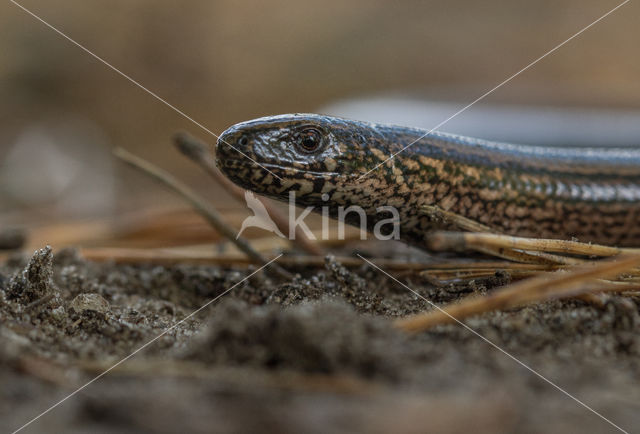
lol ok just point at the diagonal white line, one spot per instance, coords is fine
(153, 94)
(481, 97)
(141, 348)
(496, 346)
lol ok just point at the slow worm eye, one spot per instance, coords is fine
(309, 140)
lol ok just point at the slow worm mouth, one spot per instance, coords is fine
(283, 172)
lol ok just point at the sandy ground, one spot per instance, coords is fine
(316, 354)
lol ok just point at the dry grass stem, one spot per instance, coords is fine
(473, 240)
(456, 240)
(174, 256)
(207, 210)
(457, 221)
(581, 279)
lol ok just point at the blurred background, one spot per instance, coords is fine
(221, 62)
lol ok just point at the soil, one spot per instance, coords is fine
(315, 354)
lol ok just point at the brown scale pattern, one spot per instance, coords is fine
(592, 195)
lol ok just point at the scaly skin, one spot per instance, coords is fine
(550, 192)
